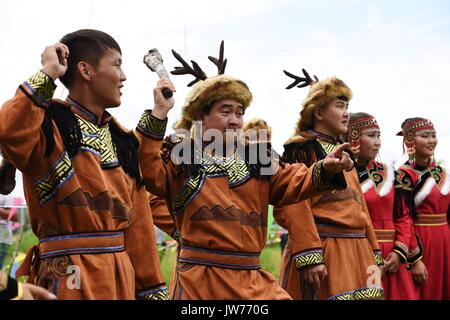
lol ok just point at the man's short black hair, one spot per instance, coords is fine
(86, 45)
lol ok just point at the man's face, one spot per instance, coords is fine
(108, 78)
(225, 115)
(335, 117)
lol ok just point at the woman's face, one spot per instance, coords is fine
(370, 145)
(425, 144)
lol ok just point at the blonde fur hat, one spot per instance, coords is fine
(212, 89)
(320, 94)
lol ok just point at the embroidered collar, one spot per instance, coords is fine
(324, 137)
(87, 114)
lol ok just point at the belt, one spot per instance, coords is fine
(219, 258)
(385, 235)
(431, 220)
(333, 231)
(70, 244)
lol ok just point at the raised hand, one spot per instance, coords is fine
(162, 105)
(338, 160)
(54, 60)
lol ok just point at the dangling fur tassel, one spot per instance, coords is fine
(68, 127)
(126, 146)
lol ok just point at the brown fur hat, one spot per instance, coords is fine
(320, 94)
(258, 124)
(212, 89)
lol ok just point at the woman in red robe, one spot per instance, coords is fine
(426, 185)
(392, 223)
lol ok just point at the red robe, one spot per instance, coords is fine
(430, 189)
(393, 234)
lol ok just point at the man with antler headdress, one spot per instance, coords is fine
(220, 202)
(332, 252)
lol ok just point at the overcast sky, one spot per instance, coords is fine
(393, 54)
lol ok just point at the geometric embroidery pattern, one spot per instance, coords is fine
(42, 85)
(372, 293)
(61, 171)
(309, 258)
(234, 167)
(378, 258)
(158, 294)
(152, 126)
(98, 141)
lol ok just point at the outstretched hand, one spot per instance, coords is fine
(54, 60)
(338, 160)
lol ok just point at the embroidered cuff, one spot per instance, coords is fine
(414, 255)
(378, 258)
(401, 250)
(40, 88)
(160, 293)
(322, 183)
(151, 126)
(308, 258)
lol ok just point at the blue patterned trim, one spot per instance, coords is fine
(152, 127)
(153, 294)
(47, 187)
(92, 117)
(56, 253)
(341, 235)
(82, 235)
(226, 253)
(370, 293)
(220, 265)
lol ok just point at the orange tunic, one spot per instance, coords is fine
(94, 226)
(332, 229)
(221, 209)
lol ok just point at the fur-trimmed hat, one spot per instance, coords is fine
(212, 89)
(208, 90)
(321, 93)
(257, 124)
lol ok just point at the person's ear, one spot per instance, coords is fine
(85, 70)
(318, 114)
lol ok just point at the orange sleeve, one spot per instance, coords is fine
(298, 219)
(140, 238)
(21, 137)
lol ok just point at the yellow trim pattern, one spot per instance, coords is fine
(61, 171)
(42, 85)
(371, 293)
(310, 258)
(151, 126)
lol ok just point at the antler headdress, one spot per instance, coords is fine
(321, 93)
(207, 90)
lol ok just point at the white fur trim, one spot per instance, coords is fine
(367, 185)
(387, 186)
(425, 191)
(446, 187)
